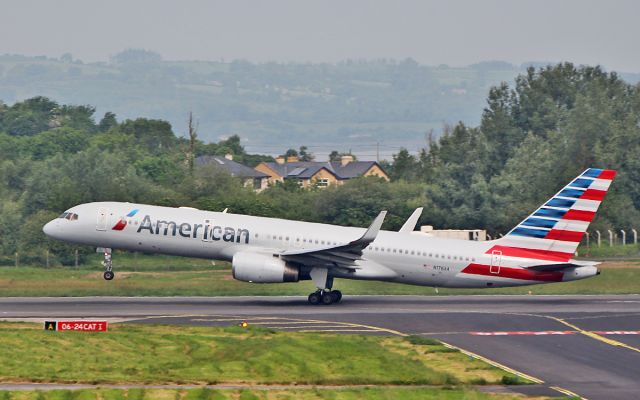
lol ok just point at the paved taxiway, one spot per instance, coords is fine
(589, 345)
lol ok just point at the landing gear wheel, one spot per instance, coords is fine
(107, 263)
(337, 295)
(314, 298)
(327, 298)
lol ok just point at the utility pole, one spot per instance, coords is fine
(193, 137)
(378, 152)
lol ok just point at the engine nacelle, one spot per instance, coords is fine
(262, 268)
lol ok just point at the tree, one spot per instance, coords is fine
(305, 155)
(155, 135)
(107, 122)
(291, 153)
(404, 166)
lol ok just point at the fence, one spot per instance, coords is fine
(609, 237)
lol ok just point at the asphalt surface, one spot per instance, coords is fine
(588, 345)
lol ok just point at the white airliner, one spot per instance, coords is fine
(269, 250)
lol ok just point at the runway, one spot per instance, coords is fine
(589, 345)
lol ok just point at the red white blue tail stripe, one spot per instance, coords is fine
(554, 230)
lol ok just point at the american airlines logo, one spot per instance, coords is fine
(122, 222)
(206, 231)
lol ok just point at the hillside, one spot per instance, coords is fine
(355, 103)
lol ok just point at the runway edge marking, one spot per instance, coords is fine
(494, 363)
(595, 336)
(567, 392)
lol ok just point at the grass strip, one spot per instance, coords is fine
(293, 394)
(616, 278)
(151, 354)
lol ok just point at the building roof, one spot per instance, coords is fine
(307, 169)
(353, 169)
(233, 167)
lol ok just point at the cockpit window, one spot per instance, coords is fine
(69, 216)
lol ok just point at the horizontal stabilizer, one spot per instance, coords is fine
(552, 267)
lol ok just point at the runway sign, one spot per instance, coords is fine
(84, 326)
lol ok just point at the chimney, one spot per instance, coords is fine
(229, 156)
(292, 159)
(280, 160)
(346, 159)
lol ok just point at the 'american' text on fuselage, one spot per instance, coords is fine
(187, 230)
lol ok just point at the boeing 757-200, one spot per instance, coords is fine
(539, 249)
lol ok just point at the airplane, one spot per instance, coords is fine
(538, 250)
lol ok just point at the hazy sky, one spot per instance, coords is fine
(442, 32)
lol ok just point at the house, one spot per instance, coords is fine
(250, 177)
(319, 173)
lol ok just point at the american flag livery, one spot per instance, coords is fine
(553, 231)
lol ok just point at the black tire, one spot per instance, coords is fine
(314, 298)
(327, 298)
(337, 296)
(108, 275)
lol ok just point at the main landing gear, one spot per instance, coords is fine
(324, 282)
(325, 297)
(108, 266)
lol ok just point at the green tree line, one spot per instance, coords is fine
(534, 136)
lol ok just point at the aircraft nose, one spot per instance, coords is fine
(50, 228)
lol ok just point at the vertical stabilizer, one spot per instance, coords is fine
(554, 230)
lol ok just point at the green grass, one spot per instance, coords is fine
(234, 394)
(164, 277)
(608, 252)
(151, 354)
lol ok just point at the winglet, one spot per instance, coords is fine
(410, 225)
(371, 233)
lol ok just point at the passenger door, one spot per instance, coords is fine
(103, 219)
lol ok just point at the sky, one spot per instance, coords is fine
(453, 32)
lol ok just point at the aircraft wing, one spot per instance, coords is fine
(337, 256)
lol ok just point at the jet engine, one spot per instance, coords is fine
(262, 268)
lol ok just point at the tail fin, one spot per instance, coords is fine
(554, 230)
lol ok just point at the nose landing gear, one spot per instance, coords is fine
(108, 265)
